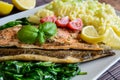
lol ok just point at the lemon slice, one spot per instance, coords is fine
(24, 4)
(5, 8)
(90, 35)
(112, 39)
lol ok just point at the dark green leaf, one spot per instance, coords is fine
(24, 21)
(10, 24)
(18, 70)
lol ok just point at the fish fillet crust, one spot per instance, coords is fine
(57, 56)
(64, 47)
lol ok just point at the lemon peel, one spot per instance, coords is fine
(5, 8)
(90, 35)
(24, 4)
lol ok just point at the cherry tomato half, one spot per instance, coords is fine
(48, 19)
(75, 24)
(62, 22)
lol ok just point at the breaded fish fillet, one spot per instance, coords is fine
(63, 40)
(65, 47)
(57, 56)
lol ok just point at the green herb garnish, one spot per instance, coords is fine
(46, 31)
(22, 21)
(29, 34)
(10, 24)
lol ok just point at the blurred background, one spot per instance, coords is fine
(114, 3)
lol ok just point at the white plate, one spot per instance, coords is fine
(94, 68)
(97, 67)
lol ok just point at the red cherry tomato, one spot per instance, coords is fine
(48, 19)
(62, 22)
(75, 24)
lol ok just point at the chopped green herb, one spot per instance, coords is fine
(19, 70)
(10, 24)
(83, 73)
(22, 21)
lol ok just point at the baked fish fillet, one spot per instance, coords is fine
(63, 40)
(65, 47)
(57, 56)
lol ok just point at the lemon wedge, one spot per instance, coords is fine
(24, 4)
(5, 8)
(112, 39)
(90, 35)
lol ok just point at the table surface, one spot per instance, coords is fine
(114, 3)
(114, 72)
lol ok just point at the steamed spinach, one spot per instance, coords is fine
(19, 70)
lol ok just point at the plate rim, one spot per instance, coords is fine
(39, 7)
(104, 70)
(112, 63)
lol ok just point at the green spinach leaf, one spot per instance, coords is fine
(22, 21)
(20, 70)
